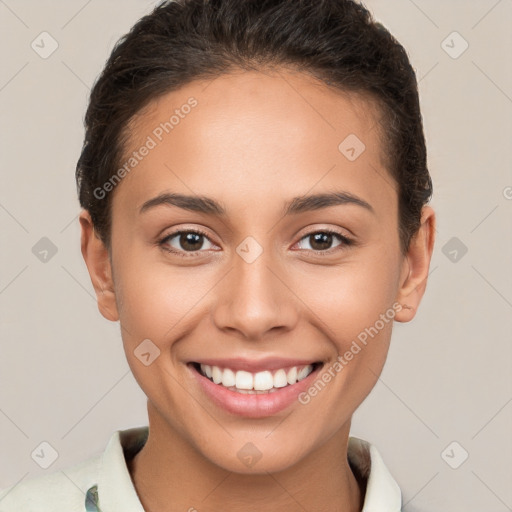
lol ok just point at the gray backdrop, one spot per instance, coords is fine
(441, 413)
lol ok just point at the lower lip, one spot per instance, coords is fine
(253, 405)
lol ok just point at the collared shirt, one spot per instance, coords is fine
(103, 483)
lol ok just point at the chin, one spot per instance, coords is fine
(245, 458)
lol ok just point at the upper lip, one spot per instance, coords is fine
(254, 366)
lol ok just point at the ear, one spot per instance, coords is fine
(413, 278)
(97, 259)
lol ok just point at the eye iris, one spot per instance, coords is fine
(324, 239)
(189, 241)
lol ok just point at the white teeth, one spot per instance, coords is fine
(263, 381)
(244, 380)
(260, 382)
(216, 374)
(228, 378)
(304, 372)
(291, 377)
(280, 380)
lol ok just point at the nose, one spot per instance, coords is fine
(255, 299)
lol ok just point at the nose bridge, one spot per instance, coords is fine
(254, 299)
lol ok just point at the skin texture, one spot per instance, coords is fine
(254, 141)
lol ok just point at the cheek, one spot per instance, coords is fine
(351, 298)
(156, 300)
(151, 304)
(355, 309)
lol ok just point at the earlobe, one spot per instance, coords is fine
(413, 280)
(97, 260)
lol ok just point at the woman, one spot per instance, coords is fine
(254, 186)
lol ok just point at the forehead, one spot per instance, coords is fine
(256, 135)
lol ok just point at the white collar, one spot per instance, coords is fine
(115, 489)
(382, 492)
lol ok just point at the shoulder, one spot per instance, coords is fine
(101, 479)
(59, 491)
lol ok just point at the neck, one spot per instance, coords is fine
(170, 475)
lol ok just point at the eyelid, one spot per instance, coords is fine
(319, 228)
(346, 240)
(161, 241)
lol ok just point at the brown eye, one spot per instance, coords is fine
(182, 242)
(321, 241)
(190, 241)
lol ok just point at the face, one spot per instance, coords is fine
(250, 276)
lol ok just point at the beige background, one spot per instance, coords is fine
(63, 374)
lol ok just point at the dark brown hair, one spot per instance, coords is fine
(336, 41)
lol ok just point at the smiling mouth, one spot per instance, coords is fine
(263, 382)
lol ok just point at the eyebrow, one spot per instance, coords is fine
(295, 206)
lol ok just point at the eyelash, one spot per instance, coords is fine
(346, 242)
